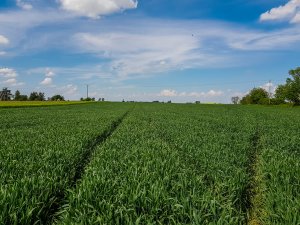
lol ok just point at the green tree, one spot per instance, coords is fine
(34, 96)
(293, 86)
(57, 98)
(41, 96)
(281, 92)
(235, 99)
(256, 96)
(290, 91)
(17, 95)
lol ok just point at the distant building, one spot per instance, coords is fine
(5, 94)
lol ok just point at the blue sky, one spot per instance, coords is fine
(179, 50)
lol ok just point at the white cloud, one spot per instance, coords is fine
(296, 18)
(47, 81)
(3, 40)
(173, 93)
(148, 52)
(8, 73)
(70, 89)
(2, 53)
(168, 93)
(23, 5)
(287, 12)
(269, 87)
(148, 47)
(97, 8)
(210, 93)
(143, 48)
(49, 73)
(8, 77)
(12, 82)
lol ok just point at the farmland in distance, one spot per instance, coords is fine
(138, 163)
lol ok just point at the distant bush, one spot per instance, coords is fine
(88, 99)
(57, 98)
(256, 96)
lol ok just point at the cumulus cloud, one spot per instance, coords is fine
(3, 40)
(8, 76)
(288, 12)
(97, 8)
(8, 73)
(210, 93)
(12, 82)
(269, 87)
(296, 18)
(173, 93)
(69, 89)
(24, 5)
(168, 93)
(47, 81)
(49, 73)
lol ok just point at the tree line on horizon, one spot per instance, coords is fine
(288, 93)
(36, 96)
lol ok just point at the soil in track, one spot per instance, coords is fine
(251, 193)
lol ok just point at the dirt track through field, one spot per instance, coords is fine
(251, 194)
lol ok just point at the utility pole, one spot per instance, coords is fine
(87, 91)
(270, 92)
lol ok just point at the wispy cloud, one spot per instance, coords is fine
(155, 46)
(174, 93)
(24, 5)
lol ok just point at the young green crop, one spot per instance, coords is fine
(40, 151)
(168, 165)
(161, 164)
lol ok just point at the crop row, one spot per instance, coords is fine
(164, 164)
(41, 150)
(168, 165)
(277, 197)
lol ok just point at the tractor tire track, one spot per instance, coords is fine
(91, 147)
(252, 192)
(51, 215)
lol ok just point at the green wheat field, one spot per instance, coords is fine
(149, 163)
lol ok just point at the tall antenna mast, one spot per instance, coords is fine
(87, 91)
(270, 92)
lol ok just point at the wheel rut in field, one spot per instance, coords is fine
(91, 147)
(52, 214)
(251, 194)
